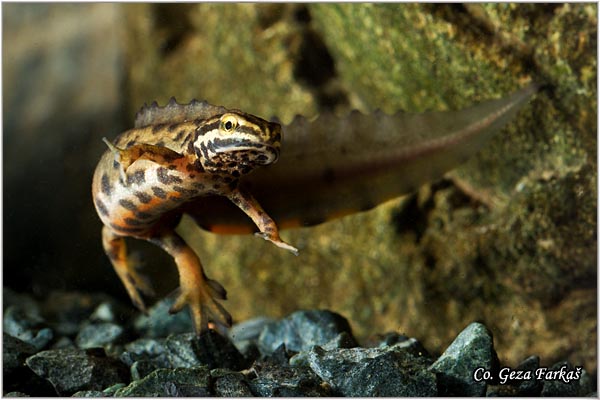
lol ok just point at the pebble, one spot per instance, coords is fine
(178, 382)
(303, 329)
(274, 380)
(99, 334)
(473, 348)
(72, 370)
(529, 387)
(158, 323)
(27, 326)
(68, 311)
(230, 384)
(17, 377)
(564, 385)
(210, 349)
(390, 371)
(244, 335)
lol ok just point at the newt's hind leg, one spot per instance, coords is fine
(195, 289)
(134, 282)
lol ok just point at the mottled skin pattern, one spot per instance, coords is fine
(149, 172)
(197, 158)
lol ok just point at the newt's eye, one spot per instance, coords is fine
(228, 123)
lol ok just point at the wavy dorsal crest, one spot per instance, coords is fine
(174, 112)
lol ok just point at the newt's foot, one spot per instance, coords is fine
(136, 283)
(203, 304)
(277, 242)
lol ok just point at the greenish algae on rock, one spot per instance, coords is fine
(508, 239)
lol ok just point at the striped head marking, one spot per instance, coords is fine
(236, 143)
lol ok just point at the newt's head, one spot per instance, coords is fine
(236, 143)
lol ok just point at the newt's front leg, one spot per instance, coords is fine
(195, 289)
(266, 226)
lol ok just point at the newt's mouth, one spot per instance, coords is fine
(250, 153)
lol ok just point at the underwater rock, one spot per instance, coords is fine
(473, 348)
(303, 329)
(71, 370)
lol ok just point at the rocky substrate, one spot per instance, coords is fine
(86, 345)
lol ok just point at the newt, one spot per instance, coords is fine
(233, 172)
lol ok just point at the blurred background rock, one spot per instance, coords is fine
(508, 239)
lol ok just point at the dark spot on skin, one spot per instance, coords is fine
(138, 177)
(130, 143)
(190, 148)
(204, 151)
(164, 177)
(133, 222)
(199, 186)
(126, 229)
(248, 129)
(184, 191)
(174, 198)
(328, 175)
(266, 221)
(160, 143)
(191, 176)
(131, 280)
(172, 127)
(210, 163)
(106, 187)
(235, 173)
(157, 128)
(143, 215)
(203, 128)
(101, 207)
(179, 135)
(128, 204)
(211, 145)
(115, 164)
(172, 167)
(198, 166)
(143, 197)
(232, 185)
(158, 192)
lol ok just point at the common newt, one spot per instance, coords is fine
(233, 173)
